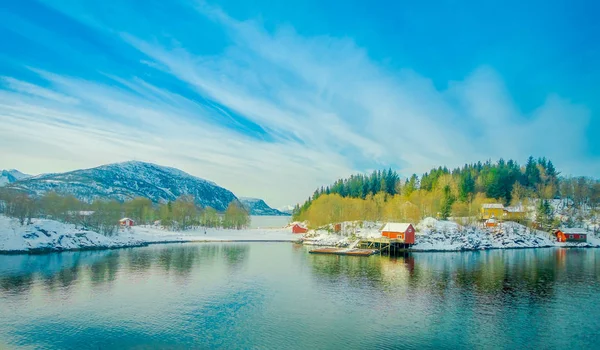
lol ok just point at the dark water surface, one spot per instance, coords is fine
(277, 296)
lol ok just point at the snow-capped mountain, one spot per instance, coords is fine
(10, 176)
(125, 181)
(287, 209)
(257, 206)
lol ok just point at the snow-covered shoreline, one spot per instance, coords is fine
(44, 236)
(440, 236)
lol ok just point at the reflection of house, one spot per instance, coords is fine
(514, 213)
(299, 229)
(403, 232)
(571, 235)
(492, 210)
(126, 222)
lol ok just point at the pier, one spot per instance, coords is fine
(368, 247)
(384, 245)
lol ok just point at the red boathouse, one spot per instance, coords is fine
(299, 229)
(571, 235)
(403, 232)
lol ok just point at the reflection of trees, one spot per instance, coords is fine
(105, 270)
(62, 279)
(139, 259)
(355, 269)
(235, 255)
(16, 284)
(499, 274)
(502, 275)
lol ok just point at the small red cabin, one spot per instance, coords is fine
(571, 235)
(299, 229)
(337, 228)
(126, 222)
(401, 231)
(491, 223)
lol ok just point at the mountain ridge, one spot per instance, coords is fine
(12, 175)
(127, 180)
(257, 206)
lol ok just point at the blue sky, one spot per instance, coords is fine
(272, 99)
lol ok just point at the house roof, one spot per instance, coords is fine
(125, 219)
(492, 206)
(81, 212)
(395, 227)
(578, 230)
(518, 209)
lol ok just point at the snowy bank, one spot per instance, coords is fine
(49, 235)
(437, 235)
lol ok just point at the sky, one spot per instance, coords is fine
(274, 99)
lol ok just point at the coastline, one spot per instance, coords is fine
(50, 250)
(48, 236)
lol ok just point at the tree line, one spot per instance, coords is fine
(442, 192)
(103, 216)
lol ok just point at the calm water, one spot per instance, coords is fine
(275, 295)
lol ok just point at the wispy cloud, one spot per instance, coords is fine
(272, 114)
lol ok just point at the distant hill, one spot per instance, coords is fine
(257, 206)
(287, 209)
(10, 176)
(125, 181)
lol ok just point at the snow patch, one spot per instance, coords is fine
(49, 235)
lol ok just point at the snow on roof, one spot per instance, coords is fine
(492, 206)
(125, 219)
(518, 209)
(395, 227)
(80, 212)
(574, 230)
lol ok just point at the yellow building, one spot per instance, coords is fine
(514, 213)
(492, 210)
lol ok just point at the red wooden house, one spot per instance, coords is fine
(404, 232)
(299, 229)
(126, 222)
(571, 235)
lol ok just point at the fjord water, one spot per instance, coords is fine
(276, 295)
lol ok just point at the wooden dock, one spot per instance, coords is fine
(368, 247)
(344, 251)
(384, 245)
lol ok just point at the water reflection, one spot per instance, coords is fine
(272, 295)
(530, 274)
(60, 271)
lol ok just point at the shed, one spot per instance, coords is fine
(491, 223)
(402, 231)
(126, 222)
(299, 229)
(571, 235)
